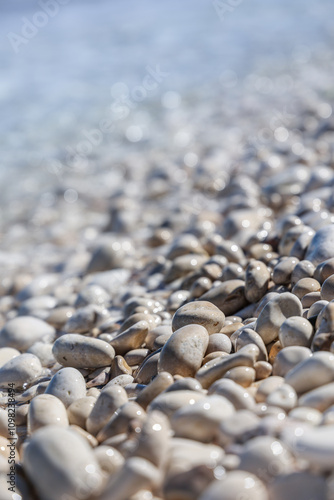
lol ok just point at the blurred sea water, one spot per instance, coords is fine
(65, 78)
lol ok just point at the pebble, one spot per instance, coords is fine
(60, 463)
(229, 296)
(320, 398)
(242, 375)
(22, 332)
(44, 353)
(22, 371)
(305, 286)
(267, 454)
(79, 351)
(169, 402)
(313, 444)
(236, 484)
(238, 428)
(295, 331)
(289, 357)
(136, 474)
(184, 351)
(200, 313)
(217, 368)
(327, 289)
(219, 342)
(321, 246)
(274, 313)
(257, 280)
(6, 354)
(311, 373)
(200, 421)
(110, 399)
(46, 409)
(68, 385)
(284, 397)
(131, 338)
(79, 411)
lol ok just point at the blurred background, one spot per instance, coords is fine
(69, 65)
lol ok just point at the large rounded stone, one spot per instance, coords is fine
(22, 332)
(200, 312)
(322, 245)
(184, 351)
(275, 313)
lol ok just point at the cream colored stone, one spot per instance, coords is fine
(68, 385)
(275, 312)
(199, 312)
(236, 484)
(184, 351)
(21, 371)
(311, 373)
(60, 463)
(79, 411)
(46, 409)
(110, 400)
(200, 421)
(80, 351)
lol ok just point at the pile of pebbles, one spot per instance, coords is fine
(174, 340)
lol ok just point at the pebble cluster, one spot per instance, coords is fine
(174, 340)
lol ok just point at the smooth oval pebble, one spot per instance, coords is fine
(275, 312)
(136, 474)
(284, 397)
(6, 354)
(111, 399)
(267, 454)
(257, 279)
(184, 351)
(200, 421)
(314, 444)
(21, 371)
(79, 411)
(79, 351)
(61, 464)
(68, 385)
(239, 427)
(289, 357)
(219, 342)
(320, 398)
(46, 409)
(235, 485)
(229, 296)
(23, 331)
(131, 338)
(110, 460)
(312, 372)
(169, 402)
(199, 312)
(239, 397)
(327, 289)
(321, 247)
(295, 331)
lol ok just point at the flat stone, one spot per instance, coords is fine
(311, 373)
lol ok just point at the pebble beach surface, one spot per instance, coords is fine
(168, 325)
